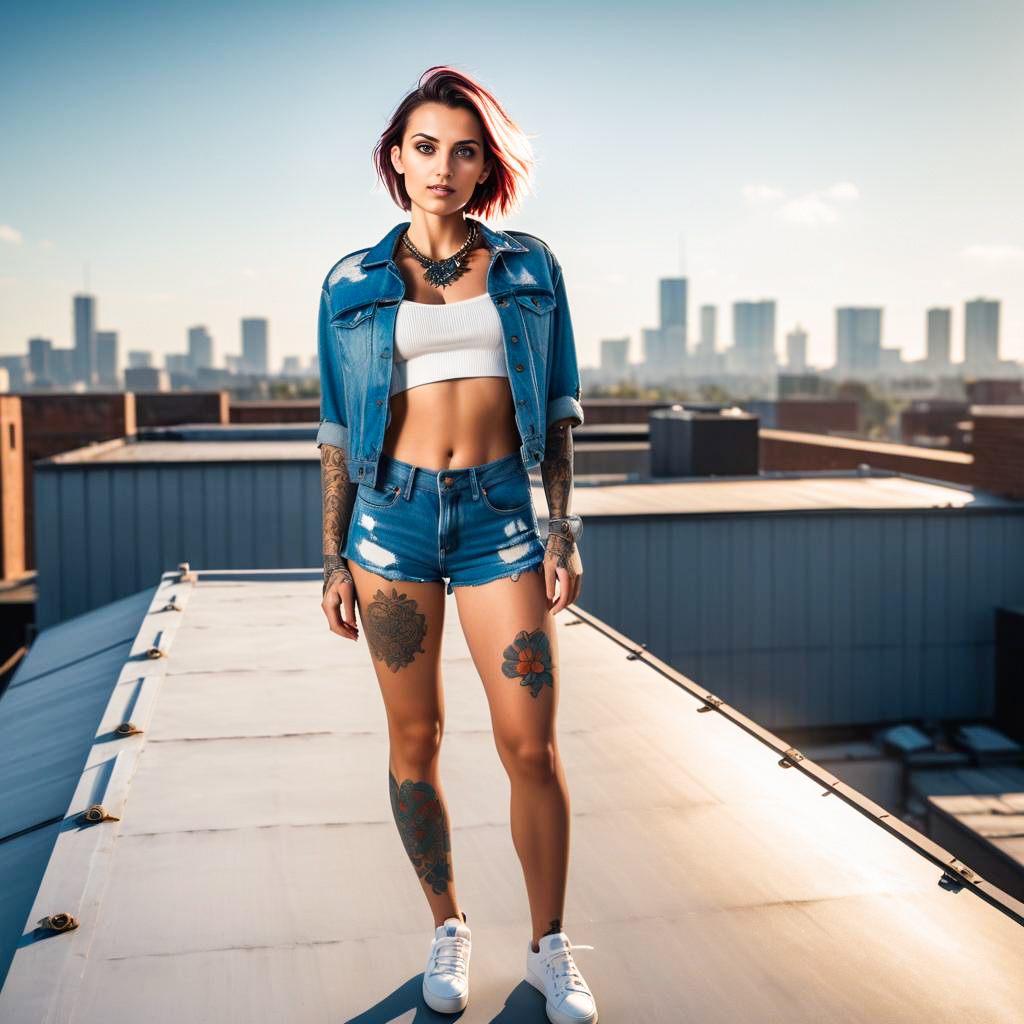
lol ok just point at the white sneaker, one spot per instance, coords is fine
(446, 978)
(553, 971)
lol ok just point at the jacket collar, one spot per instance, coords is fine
(381, 252)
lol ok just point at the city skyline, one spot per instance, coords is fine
(204, 197)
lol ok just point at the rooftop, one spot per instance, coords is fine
(251, 869)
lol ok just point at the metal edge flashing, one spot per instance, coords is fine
(43, 982)
(955, 874)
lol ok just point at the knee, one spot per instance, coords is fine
(416, 743)
(532, 760)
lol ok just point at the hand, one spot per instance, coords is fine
(339, 592)
(562, 562)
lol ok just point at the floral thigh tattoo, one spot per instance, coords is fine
(528, 659)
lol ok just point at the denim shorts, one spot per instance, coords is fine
(473, 525)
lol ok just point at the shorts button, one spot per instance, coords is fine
(448, 481)
(519, 367)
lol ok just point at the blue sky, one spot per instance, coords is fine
(208, 162)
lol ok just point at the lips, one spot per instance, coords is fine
(441, 189)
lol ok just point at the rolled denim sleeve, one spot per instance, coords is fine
(333, 429)
(563, 396)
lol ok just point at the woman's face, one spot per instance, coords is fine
(442, 146)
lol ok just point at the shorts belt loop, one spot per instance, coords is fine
(408, 483)
(473, 482)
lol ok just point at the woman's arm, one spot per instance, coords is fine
(562, 559)
(339, 495)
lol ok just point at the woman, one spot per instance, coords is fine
(448, 370)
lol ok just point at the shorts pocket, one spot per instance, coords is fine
(507, 496)
(379, 498)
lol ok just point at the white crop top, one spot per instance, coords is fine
(445, 340)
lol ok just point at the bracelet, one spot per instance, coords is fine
(334, 564)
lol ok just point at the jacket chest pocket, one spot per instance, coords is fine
(537, 311)
(353, 329)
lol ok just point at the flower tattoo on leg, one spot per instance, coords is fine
(528, 659)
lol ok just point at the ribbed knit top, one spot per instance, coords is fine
(445, 340)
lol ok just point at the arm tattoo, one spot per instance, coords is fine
(556, 471)
(339, 496)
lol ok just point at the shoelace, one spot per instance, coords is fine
(450, 955)
(571, 974)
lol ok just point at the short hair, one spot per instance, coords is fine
(504, 142)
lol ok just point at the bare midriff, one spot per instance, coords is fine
(451, 424)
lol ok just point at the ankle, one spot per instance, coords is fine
(462, 914)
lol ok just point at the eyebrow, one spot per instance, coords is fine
(459, 143)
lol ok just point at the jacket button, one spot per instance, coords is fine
(502, 302)
(360, 470)
(385, 353)
(513, 339)
(519, 367)
(536, 302)
(380, 401)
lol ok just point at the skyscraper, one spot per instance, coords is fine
(981, 335)
(708, 329)
(858, 340)
(672, 323)
(939, 336)
(84, 307)
(254, 345)
(753, 325)
(200, 348)
(106, 358)
(796, 350)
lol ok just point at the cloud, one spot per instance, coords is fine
(757, 195)
(9, 234)
(818, 207)
(993, 252)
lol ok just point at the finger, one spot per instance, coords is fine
(563, 589)
(549, 582)
(349, 601)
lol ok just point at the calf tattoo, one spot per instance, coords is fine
(394, 629)
(528, 659)
(424, 830)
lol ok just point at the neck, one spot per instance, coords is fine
(437, 237)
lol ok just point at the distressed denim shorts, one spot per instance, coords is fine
(473, 525)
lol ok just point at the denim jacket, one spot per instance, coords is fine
(358, 307)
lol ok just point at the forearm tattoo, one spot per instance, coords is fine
(394, 628)
(424, 830)
(339, 496)
(556, 471)
(556, 468)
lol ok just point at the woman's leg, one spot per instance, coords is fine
(512, 639)
(402, 624)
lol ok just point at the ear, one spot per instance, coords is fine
(396, 159)
(485, 173)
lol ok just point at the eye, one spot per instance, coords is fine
(420, 145)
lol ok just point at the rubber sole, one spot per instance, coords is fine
(556, 1016)
(441, 1004)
